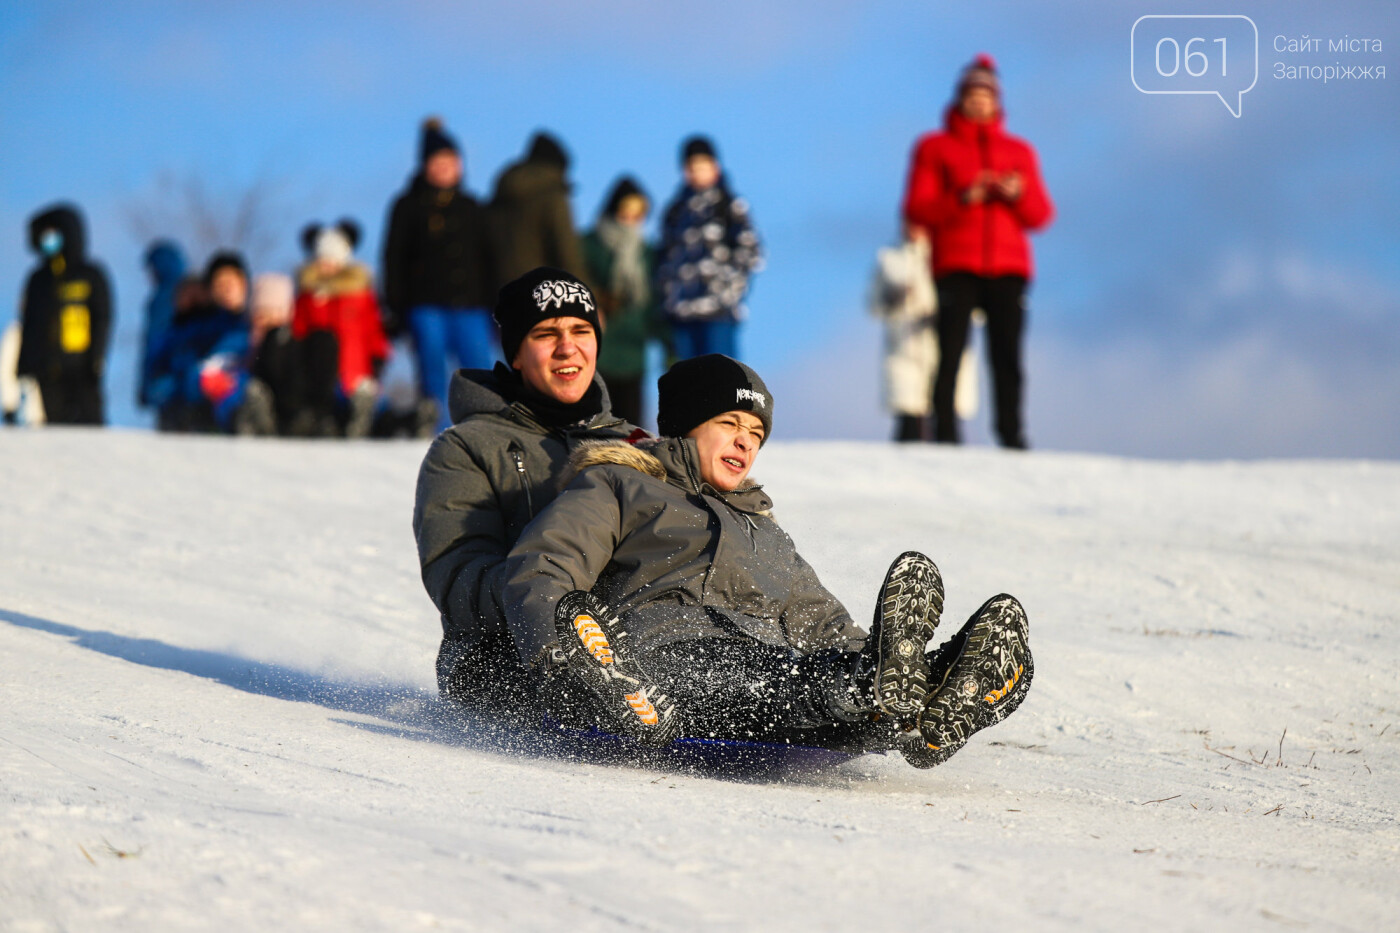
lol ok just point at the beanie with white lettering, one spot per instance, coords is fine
(695, 390)
(539, 295)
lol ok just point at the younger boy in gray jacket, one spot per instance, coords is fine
(659, 581)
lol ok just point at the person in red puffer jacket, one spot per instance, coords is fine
(977, 190)
(336, 318)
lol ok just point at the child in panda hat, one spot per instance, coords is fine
(657, 597)
(336, 318)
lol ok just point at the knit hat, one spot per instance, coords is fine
(695, 390)
(545, 148)
(625, 187)
(346, 232)
(434, 139)
(539, 295)
(225, 259)
(980, 72)
(698, 146)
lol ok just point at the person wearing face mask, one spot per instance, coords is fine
(66, 320)
(657, 597)
(621, 263)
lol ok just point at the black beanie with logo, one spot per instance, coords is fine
(539, 295)
(695, 390)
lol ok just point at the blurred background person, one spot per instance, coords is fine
(620, 264)
(532, 221)
(438, 270)
(903, 297)
(203, 360)
(337, 318)
(977, 191)
(708, 251)
(65, 318)
(274, 354)
(165, 264)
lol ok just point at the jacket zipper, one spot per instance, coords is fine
(984, 144)
(518, 455)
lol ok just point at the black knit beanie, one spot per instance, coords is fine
(539, 295)
(698, 146)
(435, 139)
(545, 148)
(695, 390)
(225, 259)
(625, 187)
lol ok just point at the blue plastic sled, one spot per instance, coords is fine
(729, 757)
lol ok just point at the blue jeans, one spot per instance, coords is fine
(468, 334)
(697, 338)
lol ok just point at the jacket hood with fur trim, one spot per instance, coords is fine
(669, 459)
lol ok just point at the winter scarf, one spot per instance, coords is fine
(630, 281)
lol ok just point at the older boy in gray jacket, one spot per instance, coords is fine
(485, 477)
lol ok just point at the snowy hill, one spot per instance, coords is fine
(217, 709)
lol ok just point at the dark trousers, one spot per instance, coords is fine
(72, 400)
(741, 689)
(1002, 299)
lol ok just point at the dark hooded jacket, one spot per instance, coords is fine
(480, 484)
(66, 319)
(532, 221)
(676, 558)
(437, 251)
(167, 266)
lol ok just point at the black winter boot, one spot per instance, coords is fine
(595, 645)
(982, 674)
(906, 614)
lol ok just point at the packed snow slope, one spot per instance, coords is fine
(217, 709)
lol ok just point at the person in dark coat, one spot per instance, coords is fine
(438, 271)
(709, 250)
(620, 264)
(531, 217)
(165, 263)
(976, 191)
(659, 581)
(485, 477)
(66, 319)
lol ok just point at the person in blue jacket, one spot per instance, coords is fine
(166, 264)
(202, 364)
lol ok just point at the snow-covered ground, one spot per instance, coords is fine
(217, 709)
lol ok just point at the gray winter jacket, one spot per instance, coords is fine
(677, 559)
(480, 483)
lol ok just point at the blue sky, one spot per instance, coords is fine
(1212, 287)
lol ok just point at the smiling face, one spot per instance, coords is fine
(557, 358)
(728, 446)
